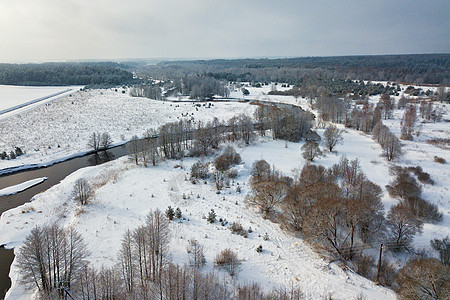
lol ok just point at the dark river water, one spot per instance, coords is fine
(55, 174)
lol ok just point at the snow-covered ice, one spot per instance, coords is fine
(10, 190)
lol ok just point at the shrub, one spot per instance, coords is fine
(228, 158)
(178, 213)
(200, 170)
(387, 273)
(364, 265)
(425, 178)
(439, 160)
(237, 228)
(228, 260)
(424, 278)
(211, 216)
(170, 213)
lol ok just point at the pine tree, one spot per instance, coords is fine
(212, 216)
(170, 213)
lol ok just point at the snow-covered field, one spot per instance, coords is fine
(17, 99)
(62, 128)
(126, 193)
(21, 186)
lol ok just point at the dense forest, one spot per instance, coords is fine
(94, 74)
(413, 69)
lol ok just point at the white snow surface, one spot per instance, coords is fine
(10, 190)
(124, 197)
(18, 99)
(125, 193)
(62, 128)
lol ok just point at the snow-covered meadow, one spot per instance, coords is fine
(17, 99)
(62, 128)
(126, 193)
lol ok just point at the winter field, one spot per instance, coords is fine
(62, 128)
(16, 99)
(125, 193)
(124, 197)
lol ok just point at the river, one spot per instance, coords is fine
(55, 174)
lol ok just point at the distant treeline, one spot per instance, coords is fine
(417, 68)
(92, 74)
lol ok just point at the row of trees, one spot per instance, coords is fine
(54, 260)
(287, 124)
(149, 91)
(107, 74)
(423, 68)
(12, 154)
(177, 139)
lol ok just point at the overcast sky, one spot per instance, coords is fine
(55, 30)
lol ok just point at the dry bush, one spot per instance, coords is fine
(237, 228)
(200, 170)
(423, 210)
(228, 260)
(424, 278)
(364, 265)
(441, 143)
(440, 160)
(82, 191)
(227, 159)
(387, 273)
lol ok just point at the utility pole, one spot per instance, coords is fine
(379, 264)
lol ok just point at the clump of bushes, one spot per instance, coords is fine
(237, 228)
(421, 175)
(440, 160)
(200, 170)
(227, 159)
(228, 260)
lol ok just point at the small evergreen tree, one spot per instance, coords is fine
(12, 155)
(170, 213)
(178, 213)
(212, 216)
(19, 151)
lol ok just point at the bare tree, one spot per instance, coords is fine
(387, 105)
(402, 102)
(443, 247)
(228, 260)
(134, 148)
(105, 140)
(331, 137)
(82, 191)
(94, 141)
(403, 226)
(391, 148)
(268, 189)
(408, 122)
(323, 224)
(311, 150)
(127, 265)
(196, 254)
(424, 278)
(51, 258)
